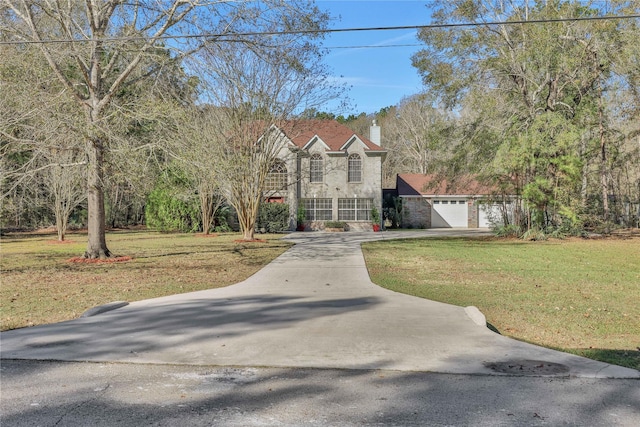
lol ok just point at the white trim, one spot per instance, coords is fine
(313, 140)
(351, 140)
(280, 137)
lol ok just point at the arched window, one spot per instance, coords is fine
(354, 168)
(277, 177)
(316, 168)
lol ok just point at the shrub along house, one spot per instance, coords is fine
(327, 172)
(431, 202)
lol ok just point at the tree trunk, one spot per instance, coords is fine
(96, 245)
(206, 209)
(604, 182)
(61, 224)
(59, 212)
(585, 174)
(248, 234)
(248, 223)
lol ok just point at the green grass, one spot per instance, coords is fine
(40, 286)
(580, 296)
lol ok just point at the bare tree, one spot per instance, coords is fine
(65, 182)
(114, 45)
(195, 145)
(254, 89)
(41, 150)
(419, 133)
(102, 67)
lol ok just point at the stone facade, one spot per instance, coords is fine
(416, 213)
(473, 214)
(335, 173)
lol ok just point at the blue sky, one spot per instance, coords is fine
(379, 77)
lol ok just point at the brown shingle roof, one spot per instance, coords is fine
(332, 133)
(413, 184)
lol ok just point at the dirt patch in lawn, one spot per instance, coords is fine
(82, 260)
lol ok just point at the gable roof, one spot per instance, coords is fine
(335, 136)
(414, 184)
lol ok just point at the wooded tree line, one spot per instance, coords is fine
(103, 117)
(105, 103)
(548, 112)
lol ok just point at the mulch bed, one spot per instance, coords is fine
(111, 260)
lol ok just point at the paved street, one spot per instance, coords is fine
(112, 394)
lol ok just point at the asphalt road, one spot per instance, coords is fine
(36, 393)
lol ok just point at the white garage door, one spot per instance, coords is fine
(488, 215)
(447, 213)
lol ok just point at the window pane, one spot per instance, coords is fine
(354, 209)
(315, 168)
(346, 210)
(318, 209)
(324, 209)
(355, 168)
(363, 212)
(277, 177)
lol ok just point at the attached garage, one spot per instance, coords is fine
(449, 213)
(431, 202)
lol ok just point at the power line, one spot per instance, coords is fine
(373, 46)
(231, 37)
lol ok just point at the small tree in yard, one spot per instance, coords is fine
(194, 147)
(65, 183)
(40, 146)
(254, 91)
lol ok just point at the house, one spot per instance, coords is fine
(429, 201)
(334, 173)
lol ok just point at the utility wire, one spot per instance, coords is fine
(373, 46)
(232, 36)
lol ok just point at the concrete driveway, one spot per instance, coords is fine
(312, 307)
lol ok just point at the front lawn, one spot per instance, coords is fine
(580, 296)
(40, 286)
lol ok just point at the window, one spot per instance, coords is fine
(354, 168)
(316, 169)
(354, 209)
(318, 209)
(277, 177)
